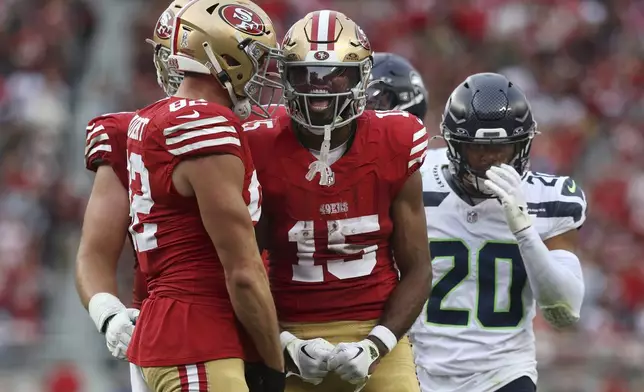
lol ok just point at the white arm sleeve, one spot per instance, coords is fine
(555, 278)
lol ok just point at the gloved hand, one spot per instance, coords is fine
(113, 319)
(354, 362)
(505, 183)
(308, 356)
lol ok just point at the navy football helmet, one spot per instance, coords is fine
(396, 85)
(487, 117)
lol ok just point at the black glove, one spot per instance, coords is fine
(261, 378)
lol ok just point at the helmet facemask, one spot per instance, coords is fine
(473, 179)
(322, 98)
(380, 96)
(325, 96)
(265, 84)
(261, 82)
(383, 96)
(168, 78)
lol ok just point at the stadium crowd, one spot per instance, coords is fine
(580, 62)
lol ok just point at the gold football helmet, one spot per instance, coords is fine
(168, 79)
(325, 71)
(235, 41)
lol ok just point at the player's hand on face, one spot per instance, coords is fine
(119, 330)
(505, 183)
(354, 362)
(309, 358)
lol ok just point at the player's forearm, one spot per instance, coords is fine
(555, 276)
(253, 304)
(95, 273)
(406, 301)
(104, 231)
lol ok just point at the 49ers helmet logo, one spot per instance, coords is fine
(243, 19)
(165, 24)
(362, 38)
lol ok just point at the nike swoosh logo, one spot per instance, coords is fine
(303, 349)
(195, 114)
(360, 351)
(572, 188)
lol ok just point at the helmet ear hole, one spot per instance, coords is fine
(230, 60)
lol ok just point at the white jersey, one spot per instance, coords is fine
(475, 332)
(435, 156)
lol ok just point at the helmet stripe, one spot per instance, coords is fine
(323, 30)
(314, 30)
(331, 31)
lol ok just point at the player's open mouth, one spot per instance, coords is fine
(321, 103)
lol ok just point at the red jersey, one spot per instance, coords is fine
(275, 111)
(329, 246)
(188, 317)
(106, 141)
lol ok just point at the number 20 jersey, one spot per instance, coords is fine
(188, 317)
(329, 250)
(476, 327)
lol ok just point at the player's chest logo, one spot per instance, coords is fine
(472, 217)
(334, 208)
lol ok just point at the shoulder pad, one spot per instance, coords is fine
(197, 127)
(406, 134)
(435, 157)
(260, 125)
(262, 135)
(559, 201)
(105, 137)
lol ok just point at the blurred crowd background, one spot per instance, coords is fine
(581, 63)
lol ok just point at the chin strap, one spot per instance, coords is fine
(241, 107)
(322, 164)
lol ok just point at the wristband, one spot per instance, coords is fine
(102, 307)
(385, 336)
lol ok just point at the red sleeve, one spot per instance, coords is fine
(409, 141)
(104, 141)
(413, 141)
(202, 129)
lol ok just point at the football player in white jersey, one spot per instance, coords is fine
(396, 85)
(502, 238)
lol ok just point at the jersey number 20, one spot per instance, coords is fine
(486, 310)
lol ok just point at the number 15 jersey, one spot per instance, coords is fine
(330, 255)
(475, 333)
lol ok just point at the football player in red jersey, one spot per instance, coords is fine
(342, 198)
(107, 214)
(194, 196)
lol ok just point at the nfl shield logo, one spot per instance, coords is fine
(472, 216)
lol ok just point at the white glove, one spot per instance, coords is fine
(115, 320)
(505, 183)
(309, 356)
(352, 361)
